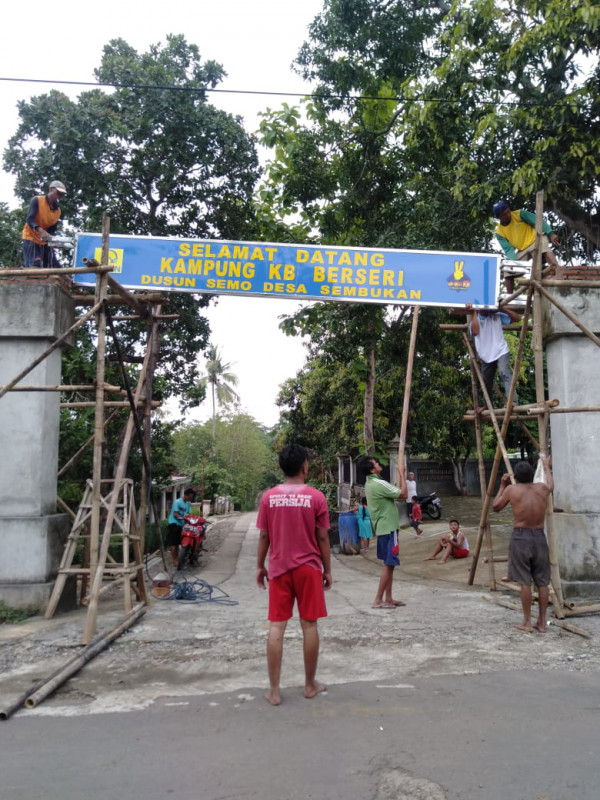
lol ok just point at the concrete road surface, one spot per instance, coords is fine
(440, 699)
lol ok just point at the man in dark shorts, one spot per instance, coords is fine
(381, 497)
(179, 509)
(293, 520)
(528, 555)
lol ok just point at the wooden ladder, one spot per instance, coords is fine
(117, 505)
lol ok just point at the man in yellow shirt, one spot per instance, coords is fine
(516, 234)
(40, 225)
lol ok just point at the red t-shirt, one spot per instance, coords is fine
(417, 514)
(291, 514)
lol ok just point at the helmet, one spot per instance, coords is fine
(59, 186)
(500, 207)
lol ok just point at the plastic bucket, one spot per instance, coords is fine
(348, 527)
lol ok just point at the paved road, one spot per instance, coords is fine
(441, 699)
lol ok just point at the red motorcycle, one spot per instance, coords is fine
(193, 535)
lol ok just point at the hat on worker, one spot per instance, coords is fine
(59, 186)
(500, 207)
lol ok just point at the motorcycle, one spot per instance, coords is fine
(193, 535)
(431, 505)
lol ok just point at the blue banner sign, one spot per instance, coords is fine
(300, 272)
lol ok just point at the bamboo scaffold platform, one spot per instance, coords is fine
(536, 289)
(107, 512)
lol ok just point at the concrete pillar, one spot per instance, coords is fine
(33, 314)
(574, 378)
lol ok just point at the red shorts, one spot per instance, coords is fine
(460, 552)
(304, 584)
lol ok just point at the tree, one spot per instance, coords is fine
(240, 463)
(11, 224)
(514, 106)
(221, 383)
(161, 161)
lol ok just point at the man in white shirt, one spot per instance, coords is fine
(491, 346)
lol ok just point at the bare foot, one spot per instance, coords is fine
(382, 605)
(525, 628)
(431, 558)
(397, 602)
(273, 696)
(314, 689)
(441, 562)
(540, 627)
(505, 579)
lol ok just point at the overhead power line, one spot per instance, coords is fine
(315, 95)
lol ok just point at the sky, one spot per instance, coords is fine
(256, 43)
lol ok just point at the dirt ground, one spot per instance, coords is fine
(446, 628)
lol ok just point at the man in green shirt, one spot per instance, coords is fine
(381, 498)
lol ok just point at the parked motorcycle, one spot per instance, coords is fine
(431, 505)
(193, 535)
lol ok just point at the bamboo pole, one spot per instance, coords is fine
(83, 387)
(39, 272)
(408, 385)
(91, 651)
(499, 601)
(101, 290)
(116, 404)
(540, 394)
(116, 300)
(153, 342)
(487, 533)
(127, 297)
(500, 448)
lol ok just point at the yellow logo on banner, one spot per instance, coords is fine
(115, 258)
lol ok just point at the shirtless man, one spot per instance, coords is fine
(528, 555)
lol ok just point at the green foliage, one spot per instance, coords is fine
(12, 616)
(11, 225)
(239, 463)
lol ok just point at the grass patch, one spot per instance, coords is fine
(12, 616)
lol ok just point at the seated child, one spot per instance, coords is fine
(454, 543)
(416, 515)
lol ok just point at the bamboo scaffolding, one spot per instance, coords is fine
(500, 448)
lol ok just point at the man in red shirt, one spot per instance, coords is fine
(293, 520)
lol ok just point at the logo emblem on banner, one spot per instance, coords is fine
(459, 279)
(115, 258)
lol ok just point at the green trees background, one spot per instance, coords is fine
(422, 115)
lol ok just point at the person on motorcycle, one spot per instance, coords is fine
(181, 507)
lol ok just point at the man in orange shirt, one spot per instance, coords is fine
(40, 225)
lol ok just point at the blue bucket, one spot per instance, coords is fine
(348, 527)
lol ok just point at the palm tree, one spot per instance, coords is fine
(221, 384)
